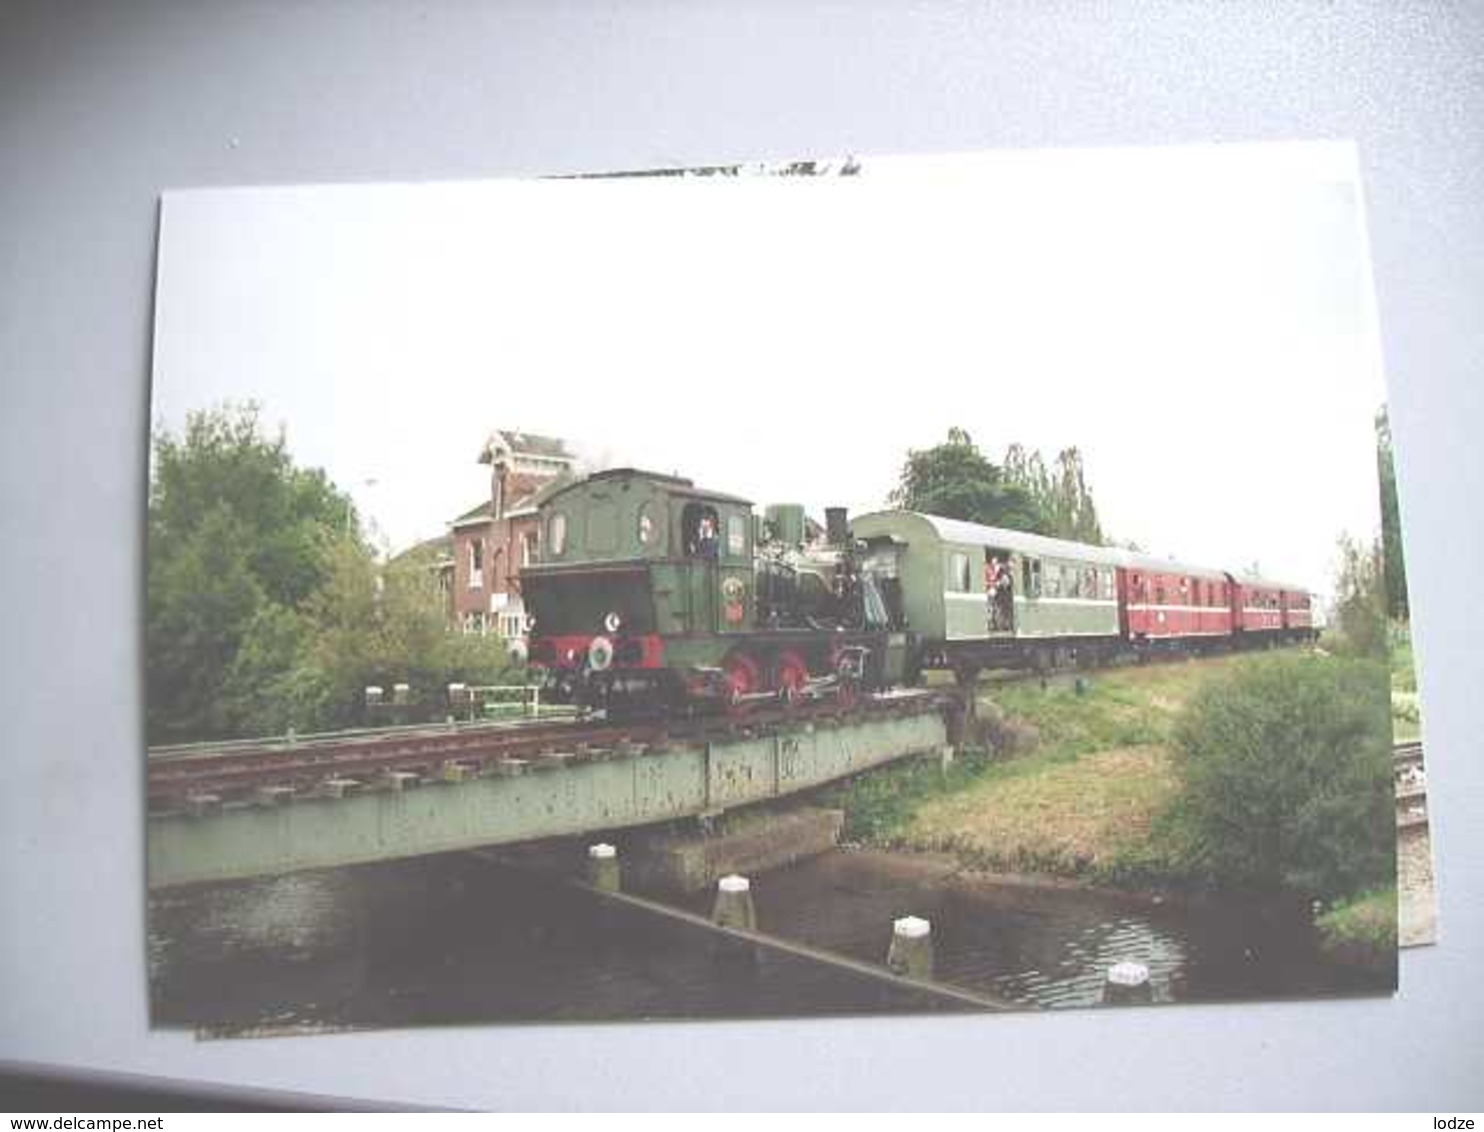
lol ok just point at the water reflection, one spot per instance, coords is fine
(457, 939)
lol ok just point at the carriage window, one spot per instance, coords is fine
(1159, 595)
(736, 535)
(1030, 569)
(1051, 584)
(958, 573)
(1105, 586)
(556, 534)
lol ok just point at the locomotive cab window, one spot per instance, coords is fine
(736, 535)
(700, 531)
(645, 525)
(556, 534)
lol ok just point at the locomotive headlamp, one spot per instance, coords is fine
(600, 654)
(612, 622)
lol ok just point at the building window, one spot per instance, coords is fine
(476, 563)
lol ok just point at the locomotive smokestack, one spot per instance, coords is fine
(835, 526)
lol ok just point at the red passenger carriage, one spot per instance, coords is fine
(1162, 602)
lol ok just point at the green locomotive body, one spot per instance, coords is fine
(651, 588)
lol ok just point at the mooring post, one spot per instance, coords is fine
(1127, 982)
(911, 951)
(602, 868)
(734, 907)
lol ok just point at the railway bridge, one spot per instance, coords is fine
(233, 811)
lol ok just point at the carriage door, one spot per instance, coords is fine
(999, 590)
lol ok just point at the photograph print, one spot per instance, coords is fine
(867, 585)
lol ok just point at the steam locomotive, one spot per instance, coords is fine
(653, 592)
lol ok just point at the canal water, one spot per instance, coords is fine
(460, 939)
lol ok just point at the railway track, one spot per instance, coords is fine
(277, 770)
(1411, 786)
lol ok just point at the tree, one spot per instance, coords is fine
(1393, 556)
(1286, 778)
(1360, 599)
(383, 626)
(1064, 500)
(236, 531)
(267, 609)
(955, 480)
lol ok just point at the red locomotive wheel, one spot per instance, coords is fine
(743, 677)
(790, 677)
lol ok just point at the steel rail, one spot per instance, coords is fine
(179, 777)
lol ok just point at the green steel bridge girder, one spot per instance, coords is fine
(237, 842)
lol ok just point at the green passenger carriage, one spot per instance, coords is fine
(980, 596)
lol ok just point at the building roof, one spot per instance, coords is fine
(516, 443)
(482, 512)
(437, 548)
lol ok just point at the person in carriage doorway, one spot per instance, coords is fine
(1001, 598)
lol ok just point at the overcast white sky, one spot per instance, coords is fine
(1199, 321)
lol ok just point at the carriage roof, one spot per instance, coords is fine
(1003, 538)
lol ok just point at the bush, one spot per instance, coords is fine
(1361, 931)
(1285, 769)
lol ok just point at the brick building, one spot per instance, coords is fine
(493, 540)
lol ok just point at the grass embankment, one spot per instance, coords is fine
(1406, 709)
(1083, 800)
(1362, 930)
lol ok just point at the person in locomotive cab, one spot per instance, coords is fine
(707, 543)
